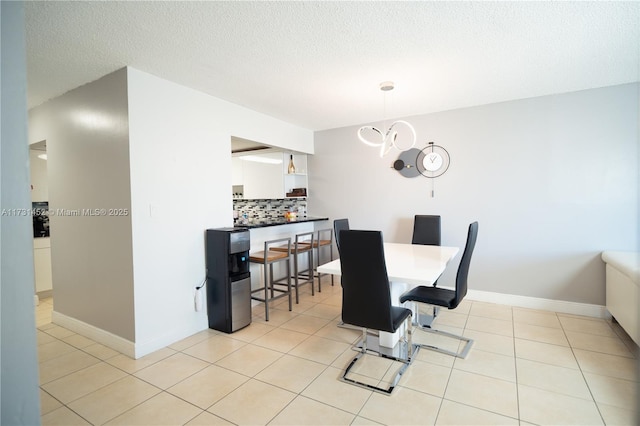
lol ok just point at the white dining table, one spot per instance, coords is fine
(408, 266)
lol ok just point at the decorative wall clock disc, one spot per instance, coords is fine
(408, 163)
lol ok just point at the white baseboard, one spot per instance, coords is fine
(110, 340)
(144, 348)
(574, 308)
(36, 300)
(122, 345)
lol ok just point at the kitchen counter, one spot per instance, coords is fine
(276, 221)
(276, 228)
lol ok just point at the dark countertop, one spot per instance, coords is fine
(275, 221)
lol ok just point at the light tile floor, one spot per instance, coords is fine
(527, 367)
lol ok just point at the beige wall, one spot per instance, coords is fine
(552, 181)
(87, 138)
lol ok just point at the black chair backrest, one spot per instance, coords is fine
(426, 230)
(339, 225)
(463, 269)
(366, 298)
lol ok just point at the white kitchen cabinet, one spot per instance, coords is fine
(42, 264)
(262, 176)
(236, 171)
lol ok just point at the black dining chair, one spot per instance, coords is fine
(339, 225)
(366, 301)
(450, 299)
(426, 231)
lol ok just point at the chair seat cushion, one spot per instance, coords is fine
(431, 296)
(398, 315)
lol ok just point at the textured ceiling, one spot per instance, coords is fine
(319, 64)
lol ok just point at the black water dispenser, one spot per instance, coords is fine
(228, 279)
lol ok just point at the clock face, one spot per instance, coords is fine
(432, 161)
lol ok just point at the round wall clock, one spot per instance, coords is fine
(433, 161)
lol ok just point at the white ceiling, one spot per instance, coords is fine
(319, 64)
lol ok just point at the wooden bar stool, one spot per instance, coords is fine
(324, 240)
(271, 286)
(303, 245)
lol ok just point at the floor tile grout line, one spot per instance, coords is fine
(444, 392)
(67, 405)
(327, 366)
(443, 397)
(518, 419)
(515, 367)
(161, 390)
(254, 377)
(74, 412)
(300, 395)
(572, 348)
(586, 382)
(124, 371)
(515, 382)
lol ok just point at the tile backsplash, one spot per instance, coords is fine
(269, 208)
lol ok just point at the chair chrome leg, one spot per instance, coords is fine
(386, 391)
(406, 360)
(410, 339)
(421, 320)
(353, 327)
(461, 354)
(426, 326)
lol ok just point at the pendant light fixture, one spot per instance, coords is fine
(374, 137)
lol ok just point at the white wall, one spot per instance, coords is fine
(553, 181)
(86, 131)
(161, 153)
(18, 354)
(180, 150)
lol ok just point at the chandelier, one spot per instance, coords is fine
(388, 139)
